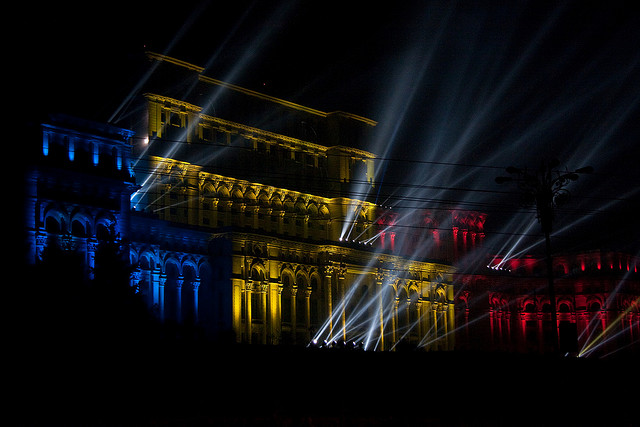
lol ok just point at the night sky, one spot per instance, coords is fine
(463, 89)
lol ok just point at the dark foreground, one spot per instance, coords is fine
(197, 384)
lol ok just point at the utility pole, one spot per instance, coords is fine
(545, 188)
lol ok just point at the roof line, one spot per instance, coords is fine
(289, 104)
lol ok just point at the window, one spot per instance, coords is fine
(175, 119)
(77, 229)
(52, 225)
(256, 306)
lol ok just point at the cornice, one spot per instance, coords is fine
(256, 131)
(253, 93)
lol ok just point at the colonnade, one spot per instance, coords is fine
(343, 306)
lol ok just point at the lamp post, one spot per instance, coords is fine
(545, 188)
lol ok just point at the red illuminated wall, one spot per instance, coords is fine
(437, 234)
(507, 307)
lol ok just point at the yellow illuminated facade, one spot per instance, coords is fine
(275, 209)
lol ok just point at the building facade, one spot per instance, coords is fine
(507, 307)
(249, 218)
(249, 233)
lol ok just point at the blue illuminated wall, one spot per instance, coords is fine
(78, 193)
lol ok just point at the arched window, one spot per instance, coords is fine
(286, 320)
(286, 299)
(52, 225)
(301, 303)
(314, 302)
(102, 232)
(78, 229)
(403, 312)
(188, 300)
(564, 308)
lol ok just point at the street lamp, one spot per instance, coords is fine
(545, 188)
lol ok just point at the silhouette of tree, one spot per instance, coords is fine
(122, 317)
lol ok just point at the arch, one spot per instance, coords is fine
(236, 194)
(55, 220)
(594, 306)
(144, 262)
(323, 212)
(53, 225)
(223, 192)
(105, 221)
(208, 190)
(190, 262)
(312, 210)
(175, 175)
(300, 206)
(287, 272)
(440, 295)
(257, 271)
(414, 287)
(529, 306)
(250, 195)
(565, 306)
(171, 260)
(80, 228)
(302, 275)
(263, 199)
(288, 204)
(150, 256)
(276, 201)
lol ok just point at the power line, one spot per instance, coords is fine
(435, 203)
(376, 183)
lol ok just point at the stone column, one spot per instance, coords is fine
(196, 285)
(328, 272)
(92, 246)
(427, 327)
(307, 323)
(455, 243)
(343, 310)
(263, 303)
(394, 322)
(248, 288)
(161, 282)
(255, 216)
(451, 336)
(419, 314)
(277, 324)
(179, 282)
(241, 221)
(214, 212)
(305, 226)
(294, 325)
(379, 285)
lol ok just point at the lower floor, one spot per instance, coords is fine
(514, 314)
(260, 289)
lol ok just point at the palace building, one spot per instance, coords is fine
(240, 215)
(252, 220)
